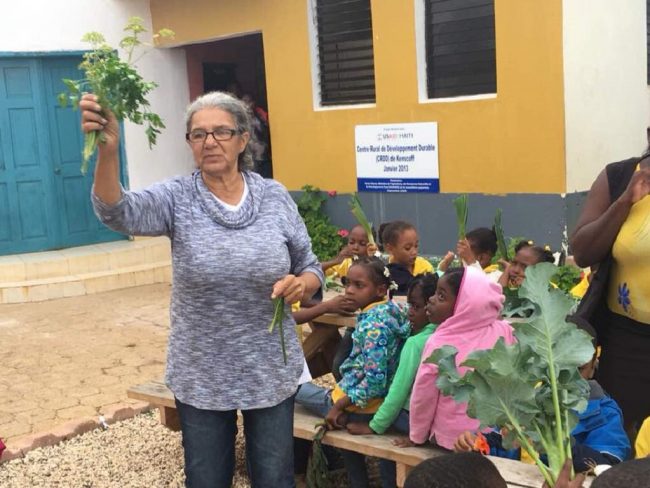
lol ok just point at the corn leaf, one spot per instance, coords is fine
(502, 247)
(531, 388)
(278, 320)
(360, 215)
(460, 203)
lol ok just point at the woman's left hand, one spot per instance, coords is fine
(291, 287)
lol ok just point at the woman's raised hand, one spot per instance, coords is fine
(291, 288)
(93, 117)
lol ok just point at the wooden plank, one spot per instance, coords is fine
(336, 319)
(516, 474)
(169, 418)
(154, 392)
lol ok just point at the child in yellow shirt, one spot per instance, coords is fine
(357, 246)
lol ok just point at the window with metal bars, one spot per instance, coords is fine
(460, 47)
(345, 56)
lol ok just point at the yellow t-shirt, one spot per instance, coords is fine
(629, 288)
(341, 269)
(420, 266)
(642, 444)
(580, 289)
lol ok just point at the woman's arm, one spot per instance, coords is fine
(601, 219)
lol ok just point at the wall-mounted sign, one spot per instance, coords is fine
(397, 157)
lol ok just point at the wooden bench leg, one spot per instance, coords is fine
(169, 418)
(402, 473)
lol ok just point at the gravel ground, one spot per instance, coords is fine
(138, 452)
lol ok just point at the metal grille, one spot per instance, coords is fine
(345, 55)
(460, 47)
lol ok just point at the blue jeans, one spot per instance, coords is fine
(318, 400)
(209, 445)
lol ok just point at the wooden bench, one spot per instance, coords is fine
(515, 473)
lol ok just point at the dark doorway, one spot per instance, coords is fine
(236, 65)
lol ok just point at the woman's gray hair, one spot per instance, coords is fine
(236, 108)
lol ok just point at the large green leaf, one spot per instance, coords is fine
(532, 388)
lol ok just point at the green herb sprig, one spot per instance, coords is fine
(116, 83)
(360, 215)
(502, 247)
(460, 204)
(531, 388)
(278, 319)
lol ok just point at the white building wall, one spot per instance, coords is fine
(44, 25)
(605, 88)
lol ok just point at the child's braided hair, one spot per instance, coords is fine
(544, 254)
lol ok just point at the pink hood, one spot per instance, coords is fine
(474, 325)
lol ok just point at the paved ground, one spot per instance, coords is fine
(69, 358)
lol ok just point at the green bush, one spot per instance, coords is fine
(326, 242)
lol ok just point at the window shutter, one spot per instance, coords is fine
(345, 56)
(460, 47)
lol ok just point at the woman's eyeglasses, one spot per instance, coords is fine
(220, 134)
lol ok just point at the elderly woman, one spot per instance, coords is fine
(237, 242)
(612, 232)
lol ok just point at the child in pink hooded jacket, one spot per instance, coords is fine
(467, 305)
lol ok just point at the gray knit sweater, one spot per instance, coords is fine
(221, 355)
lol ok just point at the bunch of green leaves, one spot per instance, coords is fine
(116, 83)
(360, 215)
(317, 470)
(502, 247)
(325, 241)
(460, 204)
(567, 277)
(278, 321)
(532, 389)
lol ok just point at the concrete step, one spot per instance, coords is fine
(84, 270)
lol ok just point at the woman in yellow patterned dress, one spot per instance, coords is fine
(613, 232)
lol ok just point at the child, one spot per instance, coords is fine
(599, 436)
(382, 327)
(526, 254)
(630, 474)
(467, 470)
(357, 246)
(400, 241)
(394, 410)
(467, 306)
(477, 249)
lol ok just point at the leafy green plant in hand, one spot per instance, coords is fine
(116, 83)
(532, 388)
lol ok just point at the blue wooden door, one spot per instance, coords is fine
(27, 217)
(76, 220)
(44, 198)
